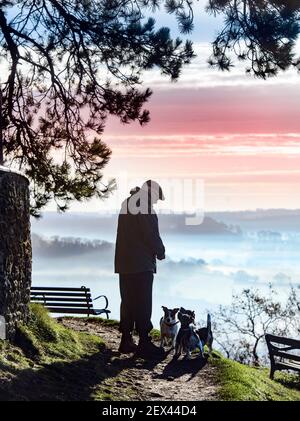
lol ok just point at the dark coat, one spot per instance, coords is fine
(138, 242)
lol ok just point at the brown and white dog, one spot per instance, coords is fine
(169, 326)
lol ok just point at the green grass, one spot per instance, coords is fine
(239, 382)
(155, 334)
(47, 340)
(43, 340)
(49, 361)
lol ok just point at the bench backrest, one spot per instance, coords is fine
(279, 346)
(63, 300)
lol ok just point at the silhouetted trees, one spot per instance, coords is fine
(62, 247)
(65, 66)
(262, 33)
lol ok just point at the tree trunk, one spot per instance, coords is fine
(15, 250)
(1, 129)
(254, 353)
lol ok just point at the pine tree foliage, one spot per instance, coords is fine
(261, 33)
(65, 67)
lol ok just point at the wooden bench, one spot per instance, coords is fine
(280, 356)
(68, 300)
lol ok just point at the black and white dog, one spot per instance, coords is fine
(187, 339)
(189, 312)
(169, 326)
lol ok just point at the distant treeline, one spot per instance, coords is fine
(67, 246)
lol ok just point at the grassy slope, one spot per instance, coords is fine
(243, 383)
(49, 361)
(56, 363)
(52, 362)
(51, 341)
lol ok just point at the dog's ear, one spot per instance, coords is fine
(165, 309)
(175, 311)
(181, 317)
(182, 310)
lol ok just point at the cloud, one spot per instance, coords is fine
(199, 74)
(183, 264)
(243, 277)
(190, 145)
(282, 278)
(217, 111)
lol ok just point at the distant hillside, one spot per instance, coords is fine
(209, 226)
(262, 219)
(92, 225)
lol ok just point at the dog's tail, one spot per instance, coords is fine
(208, 322)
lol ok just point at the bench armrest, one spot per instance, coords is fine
(106, 300)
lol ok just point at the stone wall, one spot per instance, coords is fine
(15, 249)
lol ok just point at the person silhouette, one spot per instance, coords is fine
(138, 245)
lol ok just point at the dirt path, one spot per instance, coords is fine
(144, 380)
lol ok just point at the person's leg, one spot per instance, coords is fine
(143, 311)
(126, 313)
(143, 303)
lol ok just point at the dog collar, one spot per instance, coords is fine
(188, 328)
(170, 324)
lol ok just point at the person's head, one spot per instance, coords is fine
(154, 191)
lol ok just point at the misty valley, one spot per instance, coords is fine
(203, 268)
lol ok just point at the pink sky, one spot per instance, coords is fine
(239, 134)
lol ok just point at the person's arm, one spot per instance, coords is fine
(149, 228)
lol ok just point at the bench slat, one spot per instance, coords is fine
(58, 289)
(287, 366)
(71, 299)
(74, 305)
(282, 348)
(283, 341)
(61, 294)
(286, 355)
